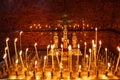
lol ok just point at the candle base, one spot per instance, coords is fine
(70, 74)
(61, 74)
(79, 74)
(88, 73)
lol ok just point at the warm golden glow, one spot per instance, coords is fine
(95, 29)
(4, 56)
(20, 53)
(27, 49)
(15, 39)
(118, 48)
(35, 62)
(100, 42)
(61, 45)
(52, 46)
(108, 64)
(7, 39)
(48, 46)
(57, 53)
(105, 49)
(35, 44)
(69, 47)
(86, 56)
(90, 50)
(94, 45)
(21, 32)
(16, 61)
(79, 66)
(78, 46)
(85, 43)
(44, 58)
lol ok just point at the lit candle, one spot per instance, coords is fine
(96, 37)
(85, 50)
(89, 60)
(61, 51)
(20, 53)
(57, 57)
(15, 48)
(26, 52)
(20, 40)
(44, 63)
(99, 48)
(5, 59)
(78, 54)
(61, 67)
(16, 63)
(36, 64)
(70, 57)
(108, 66)
(79, 68)
(92, 56)
(35, 45)
(94, 46)
(106, 54)
(52, 50)
(117, 59)
(7, 39)
(47, 51)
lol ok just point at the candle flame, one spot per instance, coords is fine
(16, 61)
(95, 29)
(35, 44)
(69, 47)
(86, 56)
(21, 32)
(7, 39)
(35, 62)
(15, 39)
(85, 43)
(57, 53)
(6, 48)
(108, 64)
(79, 66)
(90, 50)
(4, 56)
(94, 45)
(61, 45)
(100, 42)
(52, 46)
(118, 48)
(78, 45)
(44, 57)
(105, 49)
(48, 46)
(61, 65)
(27, 49)
(20, 53)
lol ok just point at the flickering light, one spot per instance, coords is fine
(15, 39)
(85, 43)
(95, 29)
(90, 50)
(118, 48)
(57, 53)
(86, 56)
(4, 56)
(26, 49)
(21, 32)
(48, 46)
(69, 48)
(52, 46)
(105, 49)
(61, 45)
(78, 46)
(35, 44)
(100, 42)
(7, 39)
(35, 62)
(16, 61)
(44, 57)
(20, 53)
